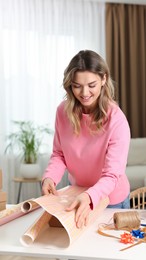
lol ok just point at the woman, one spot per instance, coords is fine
(91, 139)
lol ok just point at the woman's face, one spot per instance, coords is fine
(86, 87)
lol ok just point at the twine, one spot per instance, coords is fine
(127, 219)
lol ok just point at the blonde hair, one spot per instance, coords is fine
(87, 60)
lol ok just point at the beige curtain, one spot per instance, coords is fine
(126, 57)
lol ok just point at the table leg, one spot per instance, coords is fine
(41, 186)
(19, 192)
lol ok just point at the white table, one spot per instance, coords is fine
(90, 245)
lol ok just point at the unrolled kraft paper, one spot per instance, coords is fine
(56, 228)
(130, 219)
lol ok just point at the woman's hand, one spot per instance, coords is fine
(82, 206)
(49, 187)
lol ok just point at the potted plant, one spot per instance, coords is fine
(26, 142)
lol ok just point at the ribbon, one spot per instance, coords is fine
(137, 233)
(127, 238)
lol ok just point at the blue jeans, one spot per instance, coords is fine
(122, 205)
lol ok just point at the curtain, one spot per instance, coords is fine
(37, 40)
(126, 56)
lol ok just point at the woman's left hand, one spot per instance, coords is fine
(82, 206)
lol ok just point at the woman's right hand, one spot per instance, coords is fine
(49, 187)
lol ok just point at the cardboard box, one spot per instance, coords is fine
(0, 179)
(2, 205)
(3, 196)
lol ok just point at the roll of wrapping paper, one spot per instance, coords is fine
(15, 211)
(126, 219)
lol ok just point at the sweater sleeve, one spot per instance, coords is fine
(57, 165)
(114, 163)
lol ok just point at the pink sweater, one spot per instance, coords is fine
(95, 161)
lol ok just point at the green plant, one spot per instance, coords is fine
(26, 140)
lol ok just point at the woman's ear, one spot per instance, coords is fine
(104, 80)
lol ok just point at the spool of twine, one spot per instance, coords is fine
(127, 219)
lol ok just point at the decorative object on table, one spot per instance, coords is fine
(138, 233)
(139, 240)
(127, 238)
(26, 142)
(3, 195)
(127, 221)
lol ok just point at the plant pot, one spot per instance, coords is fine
(30, 171)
